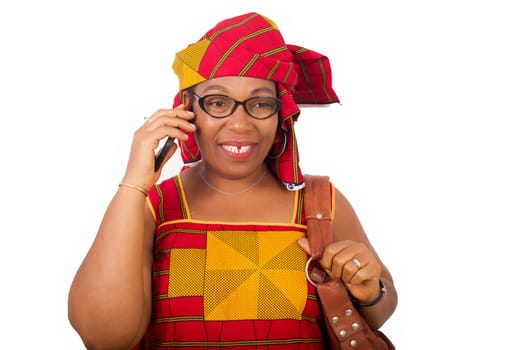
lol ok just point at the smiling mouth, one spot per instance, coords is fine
(236, 149)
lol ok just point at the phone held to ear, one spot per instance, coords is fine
(160, 156)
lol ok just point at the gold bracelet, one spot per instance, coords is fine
(133, 187)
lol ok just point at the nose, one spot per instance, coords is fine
(239, 119)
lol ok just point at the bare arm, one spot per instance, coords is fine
(363, 283)
(110, 297)
(351, 242)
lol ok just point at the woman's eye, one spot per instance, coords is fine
(217, 103)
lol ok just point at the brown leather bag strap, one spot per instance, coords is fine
(317, 208)
(345, 328)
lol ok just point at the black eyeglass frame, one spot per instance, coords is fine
(201, 99)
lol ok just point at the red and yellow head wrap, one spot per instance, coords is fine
(251, 45)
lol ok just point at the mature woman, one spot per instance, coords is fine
(215, 256)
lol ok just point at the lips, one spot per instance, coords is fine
(238, 150)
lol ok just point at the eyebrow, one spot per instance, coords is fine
(225, 90)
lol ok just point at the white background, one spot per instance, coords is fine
(427, 145)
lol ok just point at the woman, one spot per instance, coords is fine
(215, 256)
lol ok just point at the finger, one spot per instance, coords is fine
(161, 128)
(304, 244)
(160, 122)
(177, 112)
(183, 112)
(171, 131)
(369, 270)
(366, 291)
(351, 269)
(181, 124)
(335, 257)
(161, 115)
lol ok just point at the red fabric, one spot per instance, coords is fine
(180, 321)
(251, 45)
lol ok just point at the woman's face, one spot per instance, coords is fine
(238, 144)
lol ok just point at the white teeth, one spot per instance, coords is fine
(237, 149)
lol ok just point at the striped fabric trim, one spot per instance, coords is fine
(160, 196)
(182, 195)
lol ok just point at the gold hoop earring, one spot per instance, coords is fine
(283, 148)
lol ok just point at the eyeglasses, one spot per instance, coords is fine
(221, 106)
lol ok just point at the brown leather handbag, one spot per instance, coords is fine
(345, 328)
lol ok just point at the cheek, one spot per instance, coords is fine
(269, 133)
(273, 128)
(204, 124)
(203, 131)
(207, 129)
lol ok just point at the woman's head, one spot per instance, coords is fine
(251, 45)
(236, 119)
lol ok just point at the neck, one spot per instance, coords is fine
(246, 189)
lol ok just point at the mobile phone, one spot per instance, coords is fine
(161, 155)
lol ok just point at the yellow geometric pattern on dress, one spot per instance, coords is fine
(186, 272)
(254, 275)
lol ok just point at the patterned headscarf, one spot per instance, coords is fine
(251, 45)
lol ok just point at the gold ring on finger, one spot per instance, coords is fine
(357, 262)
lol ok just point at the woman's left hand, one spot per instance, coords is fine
(355, 264)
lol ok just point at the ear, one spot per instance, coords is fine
(187, 100)
(304, 244)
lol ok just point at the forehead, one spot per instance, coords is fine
(236, 84)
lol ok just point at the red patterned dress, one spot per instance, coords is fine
(219, 285)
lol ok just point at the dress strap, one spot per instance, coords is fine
(300, 216)
(299, 213)
(167, 201)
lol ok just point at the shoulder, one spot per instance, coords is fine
(168, 188)
(346, 224)
(167, 185)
